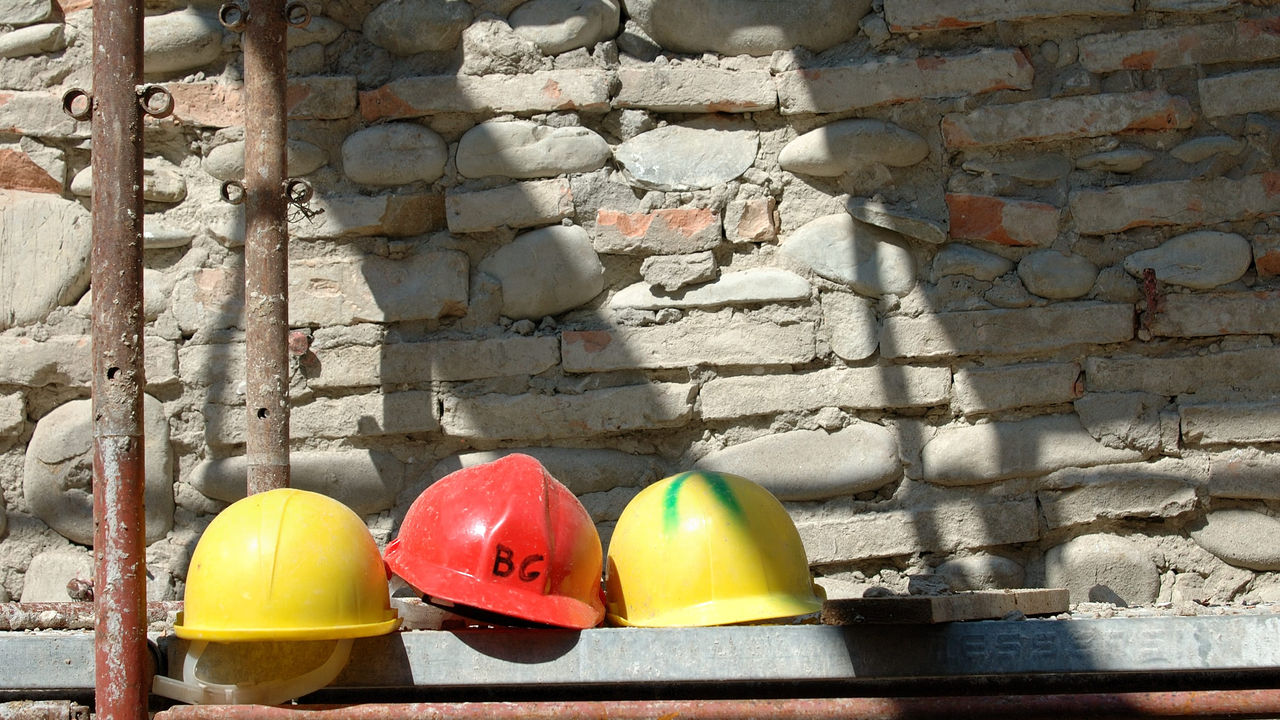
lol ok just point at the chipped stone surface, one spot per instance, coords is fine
(869, 259)
(696, 155)
(44, 255)
(13, 414)
(904, 15)
(1205, 374)
(394, 154)
(1174, 202)
(343, 290)
(745, 27)
(1239, 537)
(1059, 118)
(695, 89)
(812, 464)
(363, 480)
(1209, 314)
(1199, 260)
(900, 221)
(58, 474)
(524, 150)
(1004, 387)
(1238, 423)
(540, 91)
(846, 145)
(1165, 488)
(546, 272)
(1240, 93)
(745, 287)
(1103, 568)
(595, 412)
(849, 388)
(672, 272)
(518, 205)
(1006, 332)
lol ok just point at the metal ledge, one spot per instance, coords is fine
(755, 655)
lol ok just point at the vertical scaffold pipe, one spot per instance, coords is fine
(122, 672)
(266, 247)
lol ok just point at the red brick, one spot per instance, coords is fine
(19, 172)
(662, 232)
(1006, 221)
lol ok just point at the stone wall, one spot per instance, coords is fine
(982, 289)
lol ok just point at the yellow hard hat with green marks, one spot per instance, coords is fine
(706, 548)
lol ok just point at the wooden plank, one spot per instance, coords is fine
(976, 605)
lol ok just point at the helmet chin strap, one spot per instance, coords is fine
(191, 689)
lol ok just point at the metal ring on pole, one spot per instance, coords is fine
(232, 192)
(233, 16)
(156, 101)
(297, 14)
(297, 191)
(78, 104)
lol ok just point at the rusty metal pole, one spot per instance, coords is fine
(266, 247)
(122, 673)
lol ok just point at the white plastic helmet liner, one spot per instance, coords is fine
(190, 688)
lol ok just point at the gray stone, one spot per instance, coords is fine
(1005, 332)
(1093, 115)
(946, 527)
(49, 572)
(1123, 160)
(746, 287)
(25, 12)
(846, 145)
(581, 89)
(595, 412)
(905, 15)
(58, 475)
(519, 205)
(695, 340)
(1204, 375)
(365, 481)
(1004, 387)
(178, 42)
(985, 453)
(1057, 276)
(1241, 92)
(694, 156)
(522, 149)
(1247, 473)
(695, 88)
(814, 465)
(582, 470)
(854, 327)
(370, 415)
(902, 222)
(1040, 170)
(558, 26)
(1242, 538)
(45, 243)
(1203, 148)
(162, 182)
(1199, 260)
(394, 154)
(226, 162)
(210, 299)
(428, 284)
(747, 27)
(866, 388)
(13, 415)
(1190, 203)
(408, 27)
(981, 572)
(1212, 314)
(156, 235)
(32, 40)
(1237, 423)
(608, 506)
(320, 30)
(1165, 488)
(672, 272)
(962, 259)
(870, 260)
(439, 360)
(1103, 568)
(546, 272)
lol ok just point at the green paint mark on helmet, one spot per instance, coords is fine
(715, 482)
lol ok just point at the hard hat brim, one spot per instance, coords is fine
(462, 589)
(331, 632)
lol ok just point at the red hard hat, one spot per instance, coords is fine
(507, 538)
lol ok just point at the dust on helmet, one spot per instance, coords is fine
(279, 581)
(706, 548)
(503, 539)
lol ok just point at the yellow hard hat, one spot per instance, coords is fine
(286, 565)
(706, 548)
